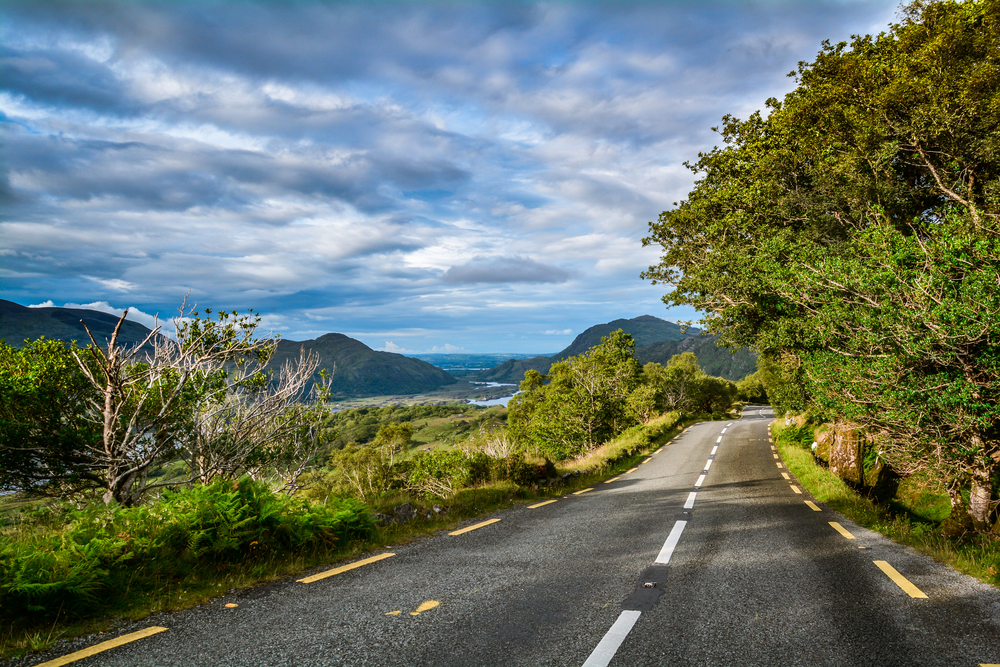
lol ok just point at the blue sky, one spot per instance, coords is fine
(425, 177)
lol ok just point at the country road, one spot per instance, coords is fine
(703, 555)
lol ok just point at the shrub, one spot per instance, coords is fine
(90, 565)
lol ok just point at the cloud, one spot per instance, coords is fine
(392, 347)
(557, 332)
(459, 171)
(502, 269)
(134, 314)
(447, 348)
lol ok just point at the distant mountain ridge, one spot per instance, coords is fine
(355, 369)
(645, 330)
(656, 340)
(19, 323)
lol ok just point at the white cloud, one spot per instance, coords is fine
(392, 347)
(134, 314)
(447, 348)
(556, 332)
(43, 304)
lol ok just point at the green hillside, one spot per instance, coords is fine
(19, 323)
(713, 359)
(513, 370)
(358, 370)
(656, 340)
(645, 330)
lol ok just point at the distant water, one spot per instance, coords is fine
(494, 401)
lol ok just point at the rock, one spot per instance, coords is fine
(846, 453)
(439, 510)
(404, 513)
(383, 518)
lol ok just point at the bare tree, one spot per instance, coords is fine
(152, 399)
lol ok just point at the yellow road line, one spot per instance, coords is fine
(840, 529)
(613, 479)
(102, 647)
(796, 489)
(632, 470)
(542, 504)
(576, 493)
(473, 527)
(774, 455)
(426, 606)
(785, 475)
(899, 579)
(779, 465)
(345, 568)
(813, 506)
(983, 664)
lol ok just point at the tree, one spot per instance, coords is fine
(584, 403)
(43, 424)
(851, 237)
(752, 389)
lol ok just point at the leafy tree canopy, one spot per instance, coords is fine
(850, 235)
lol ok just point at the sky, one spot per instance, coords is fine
(424, 177)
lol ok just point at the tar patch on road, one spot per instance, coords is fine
(646, 596)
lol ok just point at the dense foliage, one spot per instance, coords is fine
(586, 400)
(87, 561)
(852, 237)
(98, 419)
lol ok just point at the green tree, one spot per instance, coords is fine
(584, 403)
(44, 430)
(851, 237)
(752, 389)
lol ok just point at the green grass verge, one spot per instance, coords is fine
(975, 555)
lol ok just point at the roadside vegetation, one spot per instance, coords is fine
(850, 234)
(915, 511)
(157, 476)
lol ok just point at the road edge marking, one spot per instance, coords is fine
(474, 526)
(103, 646)
(813, 506)
(576, 493)
(908, 586)
(542, 504)
(840, 529)
(344, 568)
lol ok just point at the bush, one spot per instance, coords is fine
(103, 553)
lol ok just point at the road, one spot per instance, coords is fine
(703, 555)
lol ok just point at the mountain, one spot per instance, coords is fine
(713, 359)
(19, 323)
(645, 330)
(656, 340)
(357, 370)
(512, 371)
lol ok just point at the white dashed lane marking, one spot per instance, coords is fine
(606, 650)
(668, 547)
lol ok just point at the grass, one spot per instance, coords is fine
(913, 518)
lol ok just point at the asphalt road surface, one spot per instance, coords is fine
(703, 555)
